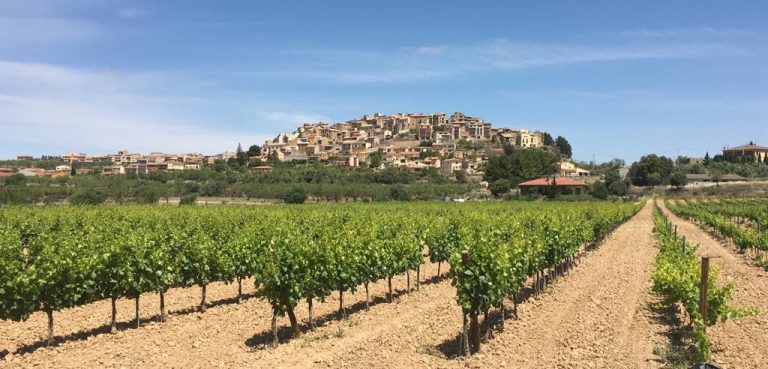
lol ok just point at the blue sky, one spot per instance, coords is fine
(617, 78)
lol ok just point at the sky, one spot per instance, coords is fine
(616, 78)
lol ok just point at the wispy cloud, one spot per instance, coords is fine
(55, 107)
(429, 50)
(684, 32)
(132, 13)
(433, 62)
(25, 33)
(295, 118)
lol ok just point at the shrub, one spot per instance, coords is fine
(398, 192)
(500, 187)
(296, 195)
(87, 196)
(188, 200)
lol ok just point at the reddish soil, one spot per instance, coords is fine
(738, 343)
(597, 316)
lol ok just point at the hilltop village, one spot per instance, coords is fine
(410, 141)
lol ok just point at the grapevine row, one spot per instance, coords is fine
(717, 218)
(57, 258)
(677, 277)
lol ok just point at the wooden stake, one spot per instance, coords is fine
(474, 325)
(163, 316)
(49, 312)
(274, 327)
(138, 317)
(703, 289)
(113, 327)
(202, 301)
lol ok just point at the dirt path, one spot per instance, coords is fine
(595, 317)
(738, 343)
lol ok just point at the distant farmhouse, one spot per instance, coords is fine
(746, 153)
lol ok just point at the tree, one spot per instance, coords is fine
(295, 195)
(375, 159)
(188, 199)
(461, 176)
(547, 139)
(426, 153)
(565, 148)
(398, 192)
(598, 190)
(17, 179)
(654, 179)
(220, 166)
(254, 150)
(499, 188)
(682, 160)
(148, 194)
(87, 196)
(716, 174)
(618, 188)
(678, 179)
(707, 159)
(72, 170)
(517, 165)
(650, 170)
(241, 156)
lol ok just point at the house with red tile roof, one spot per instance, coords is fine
(563, 184)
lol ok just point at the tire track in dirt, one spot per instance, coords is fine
(738, 343)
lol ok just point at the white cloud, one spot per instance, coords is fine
(685, 32)
(295, 118)
(429, 50)
(426, 63)
(18, 33)
(132, 13)
(43, 107)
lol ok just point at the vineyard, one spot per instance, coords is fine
(58, 258)
(677, 277)
(743, 222)
(304, 275)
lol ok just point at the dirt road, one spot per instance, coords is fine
(738, 343)
(595, 317)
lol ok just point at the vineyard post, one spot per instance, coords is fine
(163, 316)
(418, 277)
(408, 281)
(683, 245)
(274, 326)
(474, 326)
(675, 231)
(138, 317)
(49, 312)
(202, 300)
(703, 288)
(310, 313)
(113, 326)
(239, 290)
(464, 334)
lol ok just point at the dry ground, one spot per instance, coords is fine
(595, 317)
(743, 342)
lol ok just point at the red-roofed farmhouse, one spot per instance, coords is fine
(563, 184)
